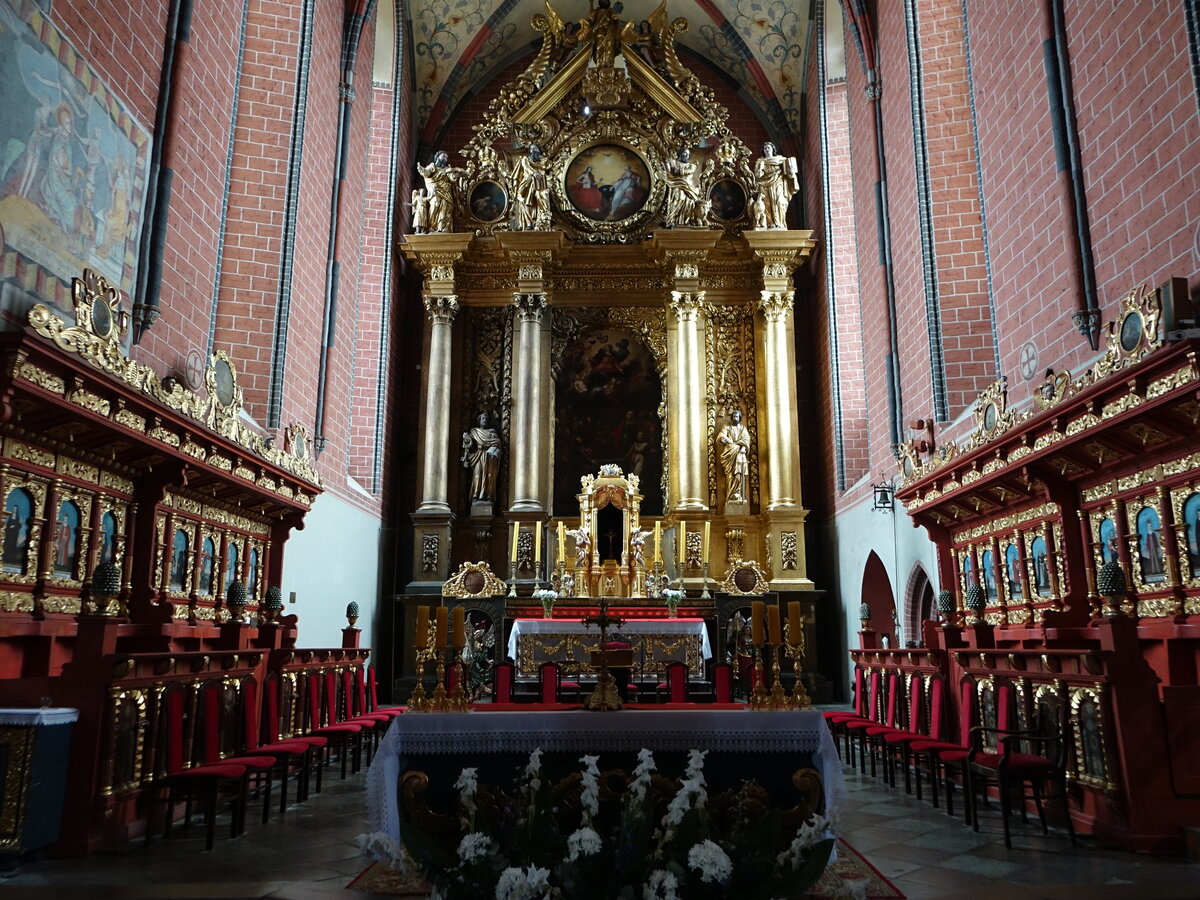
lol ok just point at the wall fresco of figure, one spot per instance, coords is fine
(72, 162)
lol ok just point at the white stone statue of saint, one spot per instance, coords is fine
(778, 180)
(637, 547)
(583, 545)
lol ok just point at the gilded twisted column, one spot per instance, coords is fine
(783, 467)
(689, 389)
(528, 430)
(434, 482)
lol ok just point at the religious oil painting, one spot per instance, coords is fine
(18, 512)
(66, 540)
(1012, 570)
(986, 564)
(728, 200)
(1041, 566)
(1191, 530)
(72, 163)
(179, 561)
(488, 201)
(1150, 547)
(606, 411)
(607, 182)
(1107, 534)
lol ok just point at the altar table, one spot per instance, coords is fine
(535, 641)
(467, 739)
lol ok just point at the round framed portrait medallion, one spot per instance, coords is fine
(489, 201)
(607, 182)
(102, 318)
(223, 378)
(727, 199)
(1131, 331)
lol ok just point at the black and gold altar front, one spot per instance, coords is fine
(612, 276)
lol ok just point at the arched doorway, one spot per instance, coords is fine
(878, 596)
(918, 605)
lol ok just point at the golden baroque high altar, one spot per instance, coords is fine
(592, 251)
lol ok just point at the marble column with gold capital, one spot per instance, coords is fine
(440, 311)
(689, 394)
(529, 426)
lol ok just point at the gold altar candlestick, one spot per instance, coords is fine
(419, 702)
(758, 697)
(704, 594)
(779, 698)
(799, 698)
(438, 703)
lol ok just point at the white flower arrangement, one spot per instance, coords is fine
(546, 597)
(660, 844)
(672, 596)
(713, 863)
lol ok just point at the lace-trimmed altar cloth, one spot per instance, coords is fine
(479, 732)
(633, 628)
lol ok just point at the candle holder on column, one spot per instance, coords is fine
(758, 697)
(704, 594)
(512, 578)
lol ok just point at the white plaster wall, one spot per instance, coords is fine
(852, 535)
(334, 559)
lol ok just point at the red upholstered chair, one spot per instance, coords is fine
(837, 719)
(361, 706)
(503, 677)
(722, 678)
(871, 737)
(856, 728)
(549, 682)
(1003, 764)
(373, 693)
(346, 737)
(219, 737)
(181, 782)
(895, 744)
(951, 756)
(272, 715)
(374, 724)
(675, 684)
(286, 753)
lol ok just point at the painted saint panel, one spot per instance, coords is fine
(606, 411)
(72, 164)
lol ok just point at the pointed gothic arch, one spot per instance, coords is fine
(879, 597)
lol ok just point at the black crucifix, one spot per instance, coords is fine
(612, 545)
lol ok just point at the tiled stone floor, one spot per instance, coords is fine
(311, 855)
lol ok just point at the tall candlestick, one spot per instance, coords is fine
(516, 536)
(682, 560)
(439, 640)
(773, 628)
(537, 542)
(562, 540)
(757, 608)
(657, 541)
(421, 637)
(460, 626)
(794, 626)
(704, 552)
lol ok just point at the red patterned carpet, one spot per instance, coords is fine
(850, 867)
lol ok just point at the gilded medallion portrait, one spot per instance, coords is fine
(728, 200)
(607, 182)
(488, 201)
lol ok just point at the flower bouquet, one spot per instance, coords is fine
(546, 597)
(598, 836)
(672, 597)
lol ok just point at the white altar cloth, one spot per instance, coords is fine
(480, 732)
(632, 627)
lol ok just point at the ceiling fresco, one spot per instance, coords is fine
(459, 45)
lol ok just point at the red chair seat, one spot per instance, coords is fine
(1025, 761)
(284, 747)
(343, 728)
(843, 717)
(250, 762)
(220, 770)
(311, 739)
(367, 718)
(881, 730)
(902, 737)
(957, 754)
(570, 685)
(922, 746)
